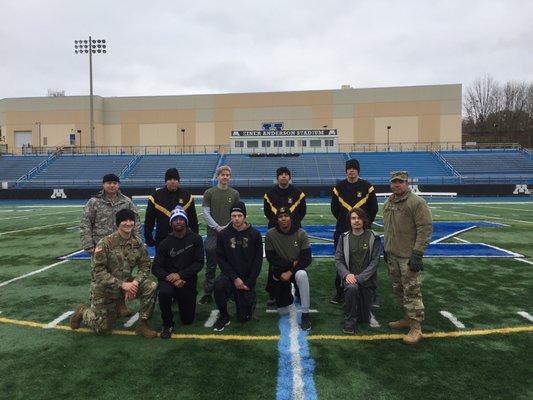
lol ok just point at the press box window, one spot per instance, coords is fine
(278, 143)
(328, 142)
(289, 143)
(265, 143)
(315, 143)
(239, 143)
(302, 143)
(252, 143)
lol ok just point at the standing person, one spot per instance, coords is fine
(289, 254)
(114, 259)
(179, 258)
(160, 205)
(357, 258)
(216, 206)
(240, 255)
(407, 230)
(283, 194)
(98, 218)
(347, 194)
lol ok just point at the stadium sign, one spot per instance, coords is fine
(306, 132)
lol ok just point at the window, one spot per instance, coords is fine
(45, 141)
(239, 143)
(252, 143)
(278, 143)
(265, 143)
(315, 143)
(302, 143)
(328, 142)
(289, 143)
(72, 139)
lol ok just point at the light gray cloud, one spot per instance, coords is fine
(164, 48)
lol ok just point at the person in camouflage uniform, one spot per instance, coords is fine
(407, 230)
(98, 218)
(114, 259)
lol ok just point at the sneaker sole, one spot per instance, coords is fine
(221, 329)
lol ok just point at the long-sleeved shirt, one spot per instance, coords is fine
(216, 205)
(290, 197)
(240, 253)
(348, 195)
(184, 256)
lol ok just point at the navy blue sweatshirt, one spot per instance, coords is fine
(184, 256)
(240, 253)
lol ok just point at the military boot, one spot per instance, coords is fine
(415, 333)
(123, 309)
(144, 330)
(77, 317)
(400, 324)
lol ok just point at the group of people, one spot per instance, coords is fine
(110, 231)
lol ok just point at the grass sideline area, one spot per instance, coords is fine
(488, 359)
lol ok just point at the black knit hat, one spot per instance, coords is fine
(283, 170)
(172, 173)
(123, 215)
(239, 206)
(110, 178)
(353, 163)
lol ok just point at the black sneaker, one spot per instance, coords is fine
(205, 299)
(305, 323)
(337, 299)
(271, 303)
(375, 302)
(221, 322)
(348, 328)
(166, 332)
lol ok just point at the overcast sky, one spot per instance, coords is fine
(197, 47)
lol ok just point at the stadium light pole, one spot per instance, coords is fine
(388, 137)
(91, 46)
(38, 123)
(182, 140)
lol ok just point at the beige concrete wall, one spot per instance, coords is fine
(206, 134)
(159, 134)
(403, 129)
(112, 135)
(56, 134)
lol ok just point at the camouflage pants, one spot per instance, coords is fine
(406, 286)
(103, 313)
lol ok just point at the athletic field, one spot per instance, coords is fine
(478, 328)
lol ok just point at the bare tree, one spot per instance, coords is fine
(482, 99)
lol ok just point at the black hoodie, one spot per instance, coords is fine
(240, 253)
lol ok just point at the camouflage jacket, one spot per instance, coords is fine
(407, 224)
(113, 263)
(98, 219)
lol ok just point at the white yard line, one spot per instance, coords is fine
(500, 208)
(526, 315)
(56, 321)
(132, 320)
(453, 234)
(297, 310)
(461, 240)
(32, 273)
(453, 319)
(524, 261)
(212, 319)
(40, 215)
(35, 228)
(487, 216)
(297, 381)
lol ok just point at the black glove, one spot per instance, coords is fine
(415, 262)
(150, 242)
(385, 258)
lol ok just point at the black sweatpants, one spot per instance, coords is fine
(244, 299)
(186, 299)
(357, 303)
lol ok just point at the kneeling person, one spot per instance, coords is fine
(289, 254)
(357, 258)
(240, 255)
(179, 258)
(115, 257)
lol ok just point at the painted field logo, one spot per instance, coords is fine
(521, 189)
(58, 194)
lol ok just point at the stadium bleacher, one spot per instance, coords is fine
(490, 163)
(14, 167)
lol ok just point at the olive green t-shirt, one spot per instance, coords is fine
(358, 249)
(219, 202)
(287, 246)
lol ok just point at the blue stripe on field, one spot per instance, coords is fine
(285, 373)
(308, 365)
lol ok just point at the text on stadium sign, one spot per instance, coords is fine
(307, 132)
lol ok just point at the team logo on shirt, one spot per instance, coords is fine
(359, 194)
(180, 201)
(365, 246)
(233, 242)
(289, 200)
(230, 200)
(174, 253)
(295, 243)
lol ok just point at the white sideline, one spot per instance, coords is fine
(32, 273)
(212, 319)
(453, 319)
(132, 320)
(526, 315)
(524, 261)
(56, 321)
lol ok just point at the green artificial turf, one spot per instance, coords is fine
(482, 293)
